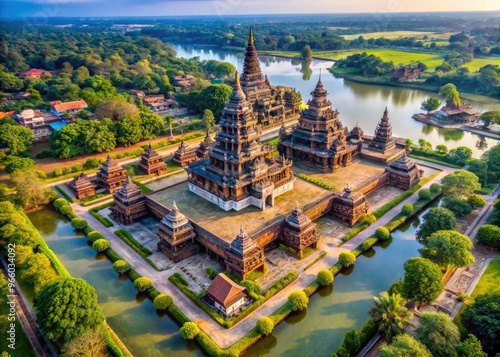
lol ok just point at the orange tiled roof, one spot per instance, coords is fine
(225, 291)
(33, 72)
(77, 104)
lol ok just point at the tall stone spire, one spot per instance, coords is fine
(250, 37)
(383, 140)
(319, 100)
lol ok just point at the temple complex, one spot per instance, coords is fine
(300, 232)
(82, 186)
(350, 206)
(383, 140)
(110, 175)
(176, 236)
(244, 255)
(320, 139)
(240, 170)
(152, 162)
(184, 155)
(404, 172)
(129, 203)
(273, 105)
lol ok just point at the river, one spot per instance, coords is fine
(358, 103)
(331, 312)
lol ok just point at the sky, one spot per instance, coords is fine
(84, 8)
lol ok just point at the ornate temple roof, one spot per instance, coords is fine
(150, 153)
(128, 192)
(298, 219)
(110, 165)
(174, 219)
(237, 94)
(403, 163)
(242, 243)
(383, 132)
(208, 139)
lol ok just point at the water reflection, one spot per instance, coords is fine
(357, 102)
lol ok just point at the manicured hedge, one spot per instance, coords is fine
(103, 220)
(317, 182)
(132, 243)
(64, 194)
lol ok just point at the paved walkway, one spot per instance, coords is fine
(219, 334)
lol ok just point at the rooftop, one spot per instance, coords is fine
(225, 291)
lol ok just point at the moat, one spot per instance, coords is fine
(331, 313)
(359, 103)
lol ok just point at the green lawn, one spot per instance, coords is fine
(477, 63)
(390, 34)
(397, 56)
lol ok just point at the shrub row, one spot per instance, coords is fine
(103, 220)
(64, 194)
(317, 182)
(321, 256)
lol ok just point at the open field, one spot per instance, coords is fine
(397, 56)
(477, 63)
(490, 280)
(391, 34)
(226, 224)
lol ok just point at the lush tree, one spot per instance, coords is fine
(438, 332)
(489, 118)
(422, 281)
(306, 52)
(38, 271)
(476, 201)
(121, 266)
(448, 248)
(459, 207)
(208, 119)
(347, 259)
(407, 209)
(352, 342)
(450, 92)
(94, 235)
(489, 234)
(459, 184)
(382, 233)
(443, 149)
(189, 330)
(482, 319)
(151, 124)
(16, 163)
(128, 129)
(90, 344)
(424, 194)
(409, 143)
(424, 144)
(251, 286)
(390, 314)
(471, 347)
(143, 283)
(30, 189)
(480, 169)
(162, 302)
(66, 308)
(492, 157)
(15, 137)
(265, 325)
(436, 219)
(101, 245)
(298, 300)
(114, 109)
(405, 346)
(461, 155)
(430, 104)
(325, 277)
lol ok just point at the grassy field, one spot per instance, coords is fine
(391, 34)
(477, 63)
(396, 56)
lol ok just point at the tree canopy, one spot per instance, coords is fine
(67, 308)
(436, 219)
(438, 332)
(450, 92)
(430, 104)
(405, 346)
(15, 137)
(448, 248)
(461, 183)
(390, 314)
(422, 281)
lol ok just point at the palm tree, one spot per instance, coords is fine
(390, 314)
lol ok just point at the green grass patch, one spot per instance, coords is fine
(434, 160)
(87, 201)
(317, 182)
(477, 63)
(132, 243)
(70, 175)
(144, 189)
(65, 195)
(389, 34)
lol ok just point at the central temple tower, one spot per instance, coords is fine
(240, 171)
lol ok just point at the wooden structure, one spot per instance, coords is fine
(403, 172)
(405, 73)
(244, 255)
(176, 236)
(226, 295)
(273, 105)
(383, 140)
(152, 162)
(129, 203)
(240, 171)
(455, 114)
(185, 155)
(320, 140)
(110, 175)
(300, 232)
(82, 186)
(350, 206)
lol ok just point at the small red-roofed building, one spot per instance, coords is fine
(227, 296)
(32, 73)
(74, 107)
